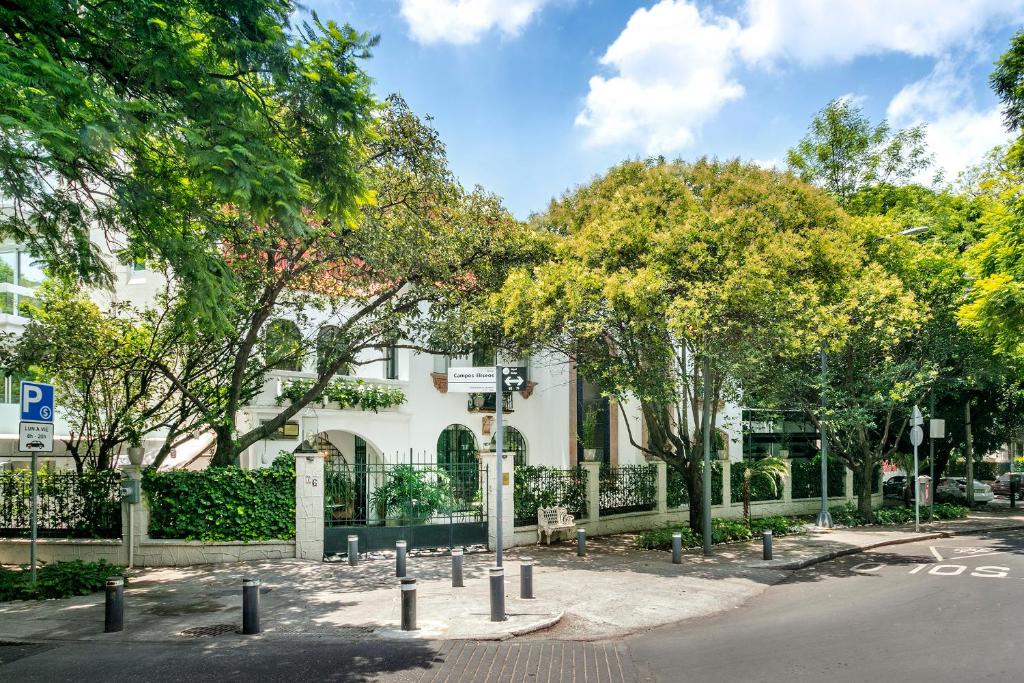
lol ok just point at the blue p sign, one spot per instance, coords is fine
(36, 402)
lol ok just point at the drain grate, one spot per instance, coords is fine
(203, 631)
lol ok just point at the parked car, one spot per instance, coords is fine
(956, 487)
(894, 485)
(1001, 485)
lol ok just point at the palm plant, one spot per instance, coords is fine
(768, 471)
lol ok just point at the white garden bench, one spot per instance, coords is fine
(552, 520)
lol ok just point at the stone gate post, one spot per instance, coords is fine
(309, 506)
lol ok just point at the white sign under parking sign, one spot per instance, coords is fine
(35, 437)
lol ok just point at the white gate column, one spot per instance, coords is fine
(309, 506)
(489, 464)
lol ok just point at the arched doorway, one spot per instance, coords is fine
(346, 487)
(457, 451)
(512, 442)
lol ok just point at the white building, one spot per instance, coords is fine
(540, 420)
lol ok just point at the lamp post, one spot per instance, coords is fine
(824, 520)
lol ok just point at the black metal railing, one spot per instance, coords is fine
(631, 488)
(71, 505)
(537, 487)
(396, 494)
(487, 403)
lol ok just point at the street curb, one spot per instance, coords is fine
(853, 550)
(393, 634)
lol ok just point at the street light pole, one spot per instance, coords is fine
(824, 520)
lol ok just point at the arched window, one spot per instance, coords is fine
(514, 443)
(456, 454)
(327, 350)
(284, 345)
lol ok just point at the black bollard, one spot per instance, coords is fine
(497, 593)
(1014, 485)
(766, 542)
(408, 603)
(457, 568)
(113, 616)
(353, 550)
(526, 579)
(400, 547)
(250, 606)
(581, 542)
(677, 547)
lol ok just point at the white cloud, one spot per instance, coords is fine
(674, 66)
(466, 21)
(958, 134)
(813, 32)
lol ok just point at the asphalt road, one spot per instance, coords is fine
(945, 610)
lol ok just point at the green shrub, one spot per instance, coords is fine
(722, 531)
(347, 393)
(780, 526)
(678, 495)
(223, 503)
(58, 580)
(409, 494)
(849, 515)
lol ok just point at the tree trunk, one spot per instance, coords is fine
(226, 451)
(746, 498)
(864, 494)
(693, 491)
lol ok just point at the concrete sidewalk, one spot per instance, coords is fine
(614, 590)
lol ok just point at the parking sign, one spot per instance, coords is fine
(36, 402)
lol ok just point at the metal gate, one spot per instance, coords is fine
(425, 504)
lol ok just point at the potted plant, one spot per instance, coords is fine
(587, 434)
(409, 497)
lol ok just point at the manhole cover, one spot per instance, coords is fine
(214, 630)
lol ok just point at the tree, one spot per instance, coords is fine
(406, 275)
(768, 471)
(105, 365)
(658, 267)
(843, 153)
(163, 124)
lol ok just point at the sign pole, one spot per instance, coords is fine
(33, 521)
(916, 437)
(499, 438)
(931, 457)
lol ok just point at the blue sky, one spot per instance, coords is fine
(535, 96)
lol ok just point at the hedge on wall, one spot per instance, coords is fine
(223, 503)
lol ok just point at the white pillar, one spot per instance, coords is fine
(726, 482)
(309, 506)
(850, 493)
(134, 517)
(662, 470)
(787, 482)
(593, 470)
(489, 463)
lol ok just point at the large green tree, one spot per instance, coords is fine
(106, 367)
(408, 274)
(660, 270)
(843, 153)
(164, 124)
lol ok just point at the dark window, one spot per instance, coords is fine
(289, 431)
(284, 345)
(391, 363)
(513, 442)
(588, 397)
(327, 341)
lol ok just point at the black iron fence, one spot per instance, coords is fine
(425, 504)
(678, 496)
(807, 478)
(630, 488)
(537, 487)
(71, 505)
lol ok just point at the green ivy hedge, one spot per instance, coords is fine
(223, 503)
(676, 485)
